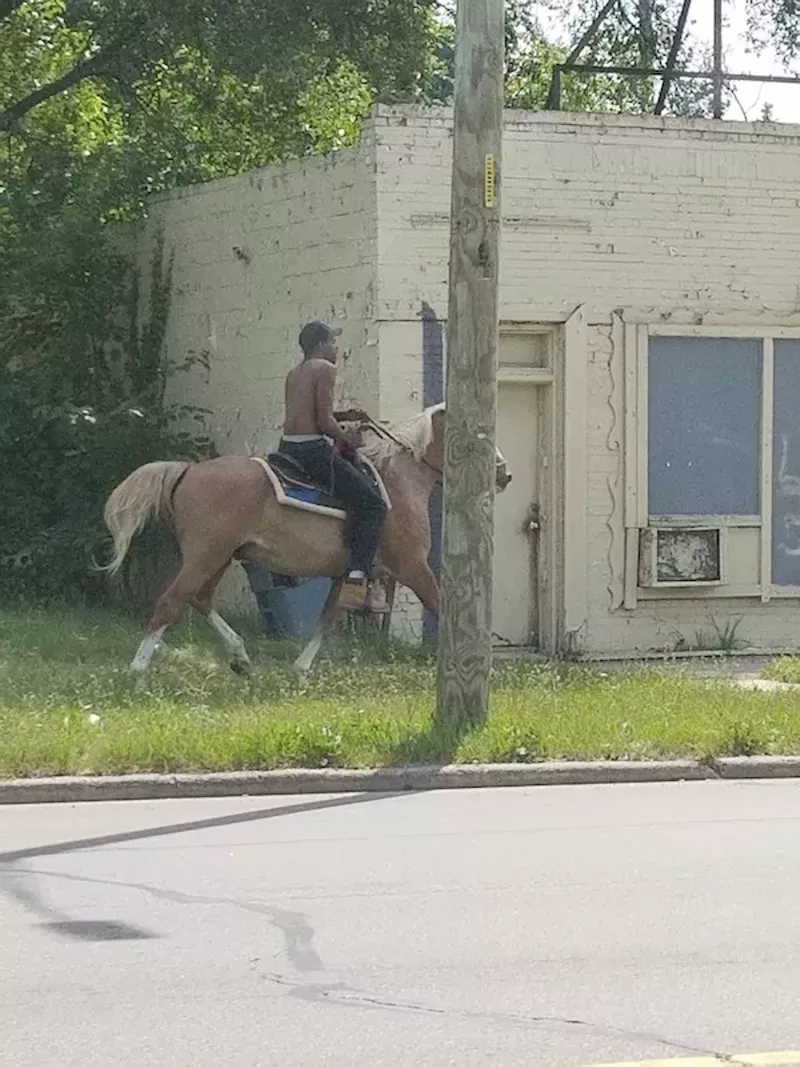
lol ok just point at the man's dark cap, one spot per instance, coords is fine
(316, 333)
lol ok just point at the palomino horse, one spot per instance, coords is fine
(230, 508)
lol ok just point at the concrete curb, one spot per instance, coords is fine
(758, 767)
(388, 779)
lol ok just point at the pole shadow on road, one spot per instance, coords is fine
(17, 883)
(83, 843)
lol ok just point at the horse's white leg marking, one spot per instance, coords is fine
(302, 665)
(229, 637)
(303, 662)
(144, 655)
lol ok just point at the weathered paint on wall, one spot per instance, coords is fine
(657, 220)
(256, 257)
(635, 219)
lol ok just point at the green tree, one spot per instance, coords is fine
(124, 43)
(632, 35)
(103, 102)
(775, 23)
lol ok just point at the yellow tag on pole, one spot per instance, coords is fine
(489, 192)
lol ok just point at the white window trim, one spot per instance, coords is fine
(636, 511)
(767, 413)
(573, 447)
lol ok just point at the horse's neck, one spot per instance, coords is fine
(404, 475)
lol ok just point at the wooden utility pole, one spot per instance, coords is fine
(718, 78)
(647, 51)
(465, 632)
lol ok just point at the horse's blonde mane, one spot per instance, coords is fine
(414, 437)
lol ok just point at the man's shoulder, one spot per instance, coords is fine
(319, 367)
(309, 372)
(309, 368)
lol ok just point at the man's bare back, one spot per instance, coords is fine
(310, 389)
(302, 382)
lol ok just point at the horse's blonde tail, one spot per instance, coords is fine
(144, 495)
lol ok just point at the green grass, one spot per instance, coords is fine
(69, 706)
(783, 669)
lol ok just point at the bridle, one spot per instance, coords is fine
(381, 431)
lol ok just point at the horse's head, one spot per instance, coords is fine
(502, 475)
(434, 454)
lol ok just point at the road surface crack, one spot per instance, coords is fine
(341, 993)
(294, 925)
(301, 953)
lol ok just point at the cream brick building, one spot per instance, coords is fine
(649, 386)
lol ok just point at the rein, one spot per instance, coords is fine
(381, 431)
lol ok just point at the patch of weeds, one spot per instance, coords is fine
(718, 639)
(783, 669)
(316, 746)
(436, 745)
(516, 743)
(742, 739)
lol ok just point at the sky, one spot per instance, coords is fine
(751, 96)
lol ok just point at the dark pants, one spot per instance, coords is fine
(363, 503)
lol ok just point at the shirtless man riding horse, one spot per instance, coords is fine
(314, 438)
(228, 508)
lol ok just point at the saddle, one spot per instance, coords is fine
(296, 488)
(297, 484)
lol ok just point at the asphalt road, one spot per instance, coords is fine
(568, 925)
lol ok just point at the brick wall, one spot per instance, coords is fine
(655, 219)
(615, 212)
(663, 220)
(255, 257)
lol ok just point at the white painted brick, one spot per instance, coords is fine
(675, 219)
(666, 218)
(308, 230)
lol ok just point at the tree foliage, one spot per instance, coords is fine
(125, 44)
(775, 23)
(621, 40)
(103, 102)
(75, 419)
(631, 35)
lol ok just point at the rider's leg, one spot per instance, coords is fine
(365, 508)
(314, 455)
(366, 511)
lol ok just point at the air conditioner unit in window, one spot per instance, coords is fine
(682, 556)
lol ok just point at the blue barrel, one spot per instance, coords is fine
(295, 611)
(287, 611)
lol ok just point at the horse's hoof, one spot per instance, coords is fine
(138, 678)
(242, 667)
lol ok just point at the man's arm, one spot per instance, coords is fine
(351, 415)
(323, 397)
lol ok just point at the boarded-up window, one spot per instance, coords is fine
(704, 426)
(786, 465)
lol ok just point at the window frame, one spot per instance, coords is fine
(636, 511)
